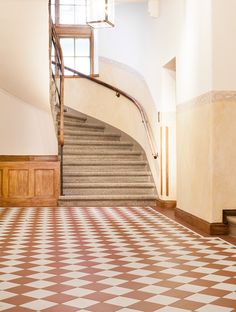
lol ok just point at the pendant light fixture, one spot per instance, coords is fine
(100, 13)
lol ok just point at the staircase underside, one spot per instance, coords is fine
(103, 166)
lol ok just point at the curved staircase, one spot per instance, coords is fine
(103, 166)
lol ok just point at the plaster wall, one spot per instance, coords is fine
(25, 129)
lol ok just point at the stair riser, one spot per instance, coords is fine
(74, 120)
(101, 179)
(94, 147)
(82, 128)
(109, 191)
(107, 203)
(75, 138)
(71, 168)
(103, 157)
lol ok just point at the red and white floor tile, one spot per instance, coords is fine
(109, 260)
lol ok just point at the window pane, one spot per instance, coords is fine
(82, 64)
(67, 45)
(80, 2)
(80, 15)
(67, 14)
(68, 2)
(82, 47)
(69, 62)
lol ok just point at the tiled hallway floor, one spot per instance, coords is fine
(110, 259)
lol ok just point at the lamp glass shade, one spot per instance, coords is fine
(100, 13)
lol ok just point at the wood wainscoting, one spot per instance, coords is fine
(29, 181)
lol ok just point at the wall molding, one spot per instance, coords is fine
(213, 96)
(202, 225)
(171, 204)
(29, 180)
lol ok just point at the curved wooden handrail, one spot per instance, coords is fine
(129, 97)
(60, 64)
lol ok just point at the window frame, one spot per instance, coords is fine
(75, 31)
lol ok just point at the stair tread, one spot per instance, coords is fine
(97, 142)
(99, 152)
(83, 125)
(108, 197)
(71, 116)
(106, 162)
(89, 133)
(109, 185)
(107, 173)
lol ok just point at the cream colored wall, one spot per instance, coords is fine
(25, 129)
(194, 157)
(25, 117)
(24, 66)
(224, 152)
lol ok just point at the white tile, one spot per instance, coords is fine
(182, 279)
(122, 301)
(214, 308)
(78, 292)
(201, 298)
(108, 273)
(173, 271)
(39, 293)
(38, 305)
(76, 282)
(161, 299)
(172, 309)
(112, 281)
(225, 286)
(154, 289)
(6, 294)
(231, 296)
(9, 269)
(147, 280)
(81, 303)
(41, 276)
(118, 291)
(135, 265)
(215, 278)
(191, 288)
(205, 270)
(5, 306)
(75, 274)
(7, 285)
(141, 272)
(40, 284)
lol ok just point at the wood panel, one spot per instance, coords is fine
(44, 185)
(1, 184)
(18, 183)
(29, 182)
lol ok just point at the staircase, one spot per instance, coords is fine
(103, 166)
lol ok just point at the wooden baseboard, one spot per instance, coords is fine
(171, 204)
(29, 181)
(202, 225)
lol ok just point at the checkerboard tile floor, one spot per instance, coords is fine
(110, 259)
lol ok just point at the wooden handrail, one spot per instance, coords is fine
(119, 92)
(60, 64)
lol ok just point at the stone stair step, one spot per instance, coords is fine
(86, 135)
(108, 188)
(86, 165)
(71, 125)
(107, 200)
(101, 154)
(72, 144)
(97, 176)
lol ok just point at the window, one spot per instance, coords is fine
(76, 53)
(76, 37)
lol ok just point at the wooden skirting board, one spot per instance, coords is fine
(202, 225)
(166, 203)
(29, 181)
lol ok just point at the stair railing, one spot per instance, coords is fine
(119, 92)
(58, 76)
